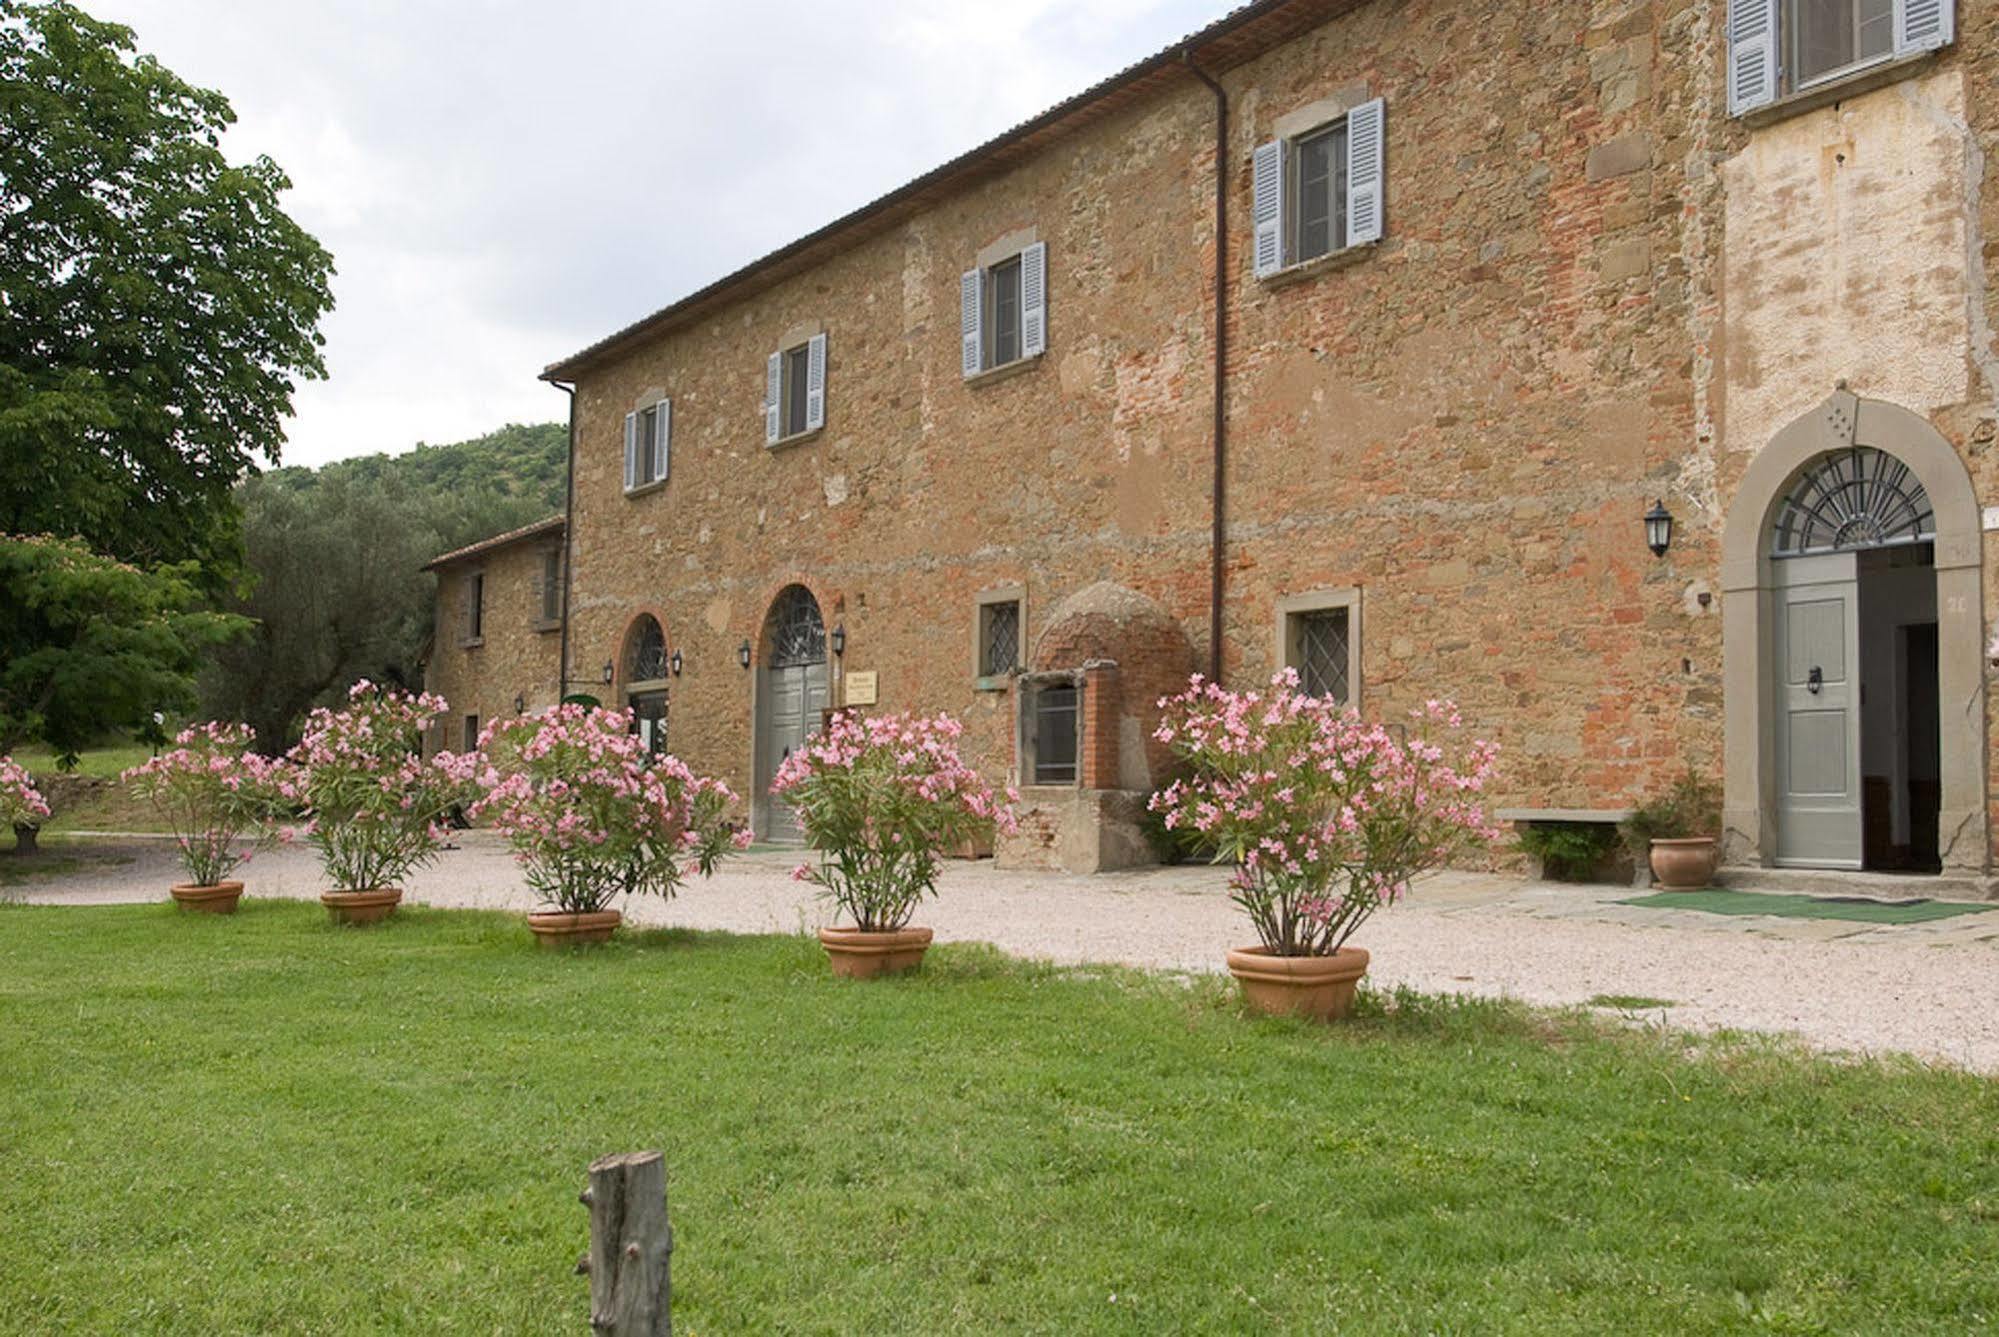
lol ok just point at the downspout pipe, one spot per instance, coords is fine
(568, 540)
(1218, 486)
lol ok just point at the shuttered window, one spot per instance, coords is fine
(795, 390)
(648, 443)
(1780, 47)
(1003, 311)
(1320, 192)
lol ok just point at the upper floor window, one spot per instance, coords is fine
(1003, 310)
(795, 390)
(475, 607)
(551, 585)
(1321, 191)
(648, 437)
(1777, 48)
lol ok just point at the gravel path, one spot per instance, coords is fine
(1931, 990)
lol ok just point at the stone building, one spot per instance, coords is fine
(495, 650)
(1362, 335)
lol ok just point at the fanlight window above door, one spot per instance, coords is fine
(797, 636)
(1856, 498)
(646, 661)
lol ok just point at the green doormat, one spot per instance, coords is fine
(1720, 901)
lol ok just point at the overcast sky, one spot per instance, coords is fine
(502, 183)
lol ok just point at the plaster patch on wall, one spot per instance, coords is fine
(1846, 257)
(836, 489)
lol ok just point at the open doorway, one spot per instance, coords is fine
(1900, 752)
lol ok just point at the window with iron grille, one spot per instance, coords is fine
(1054, 721)
(999, 638)
(797, 634)
(646, 658)
(1322, 653)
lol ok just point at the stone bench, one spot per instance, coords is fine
(1521, 817)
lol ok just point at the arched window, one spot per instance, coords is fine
(645, 651)
(796, 634)
(1854, 498)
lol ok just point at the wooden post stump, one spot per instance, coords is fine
(631, 1246)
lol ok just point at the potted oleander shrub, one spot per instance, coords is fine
(215, 793)
(1679, 832)
(22, 807)
(1325, 817)
(880, 798)
(593, 818)
(373, 807)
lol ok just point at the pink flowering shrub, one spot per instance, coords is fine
(592, 816)
(211, 787)
(21, 804)
(1326, 817)
(880, 797)
(373, 807)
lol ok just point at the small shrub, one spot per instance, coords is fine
(1569, 851)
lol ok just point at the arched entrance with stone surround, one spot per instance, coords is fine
(792, 691)
(1759, 595)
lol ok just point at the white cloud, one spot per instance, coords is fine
(504, 182)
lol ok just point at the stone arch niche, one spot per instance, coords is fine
(1758, 519)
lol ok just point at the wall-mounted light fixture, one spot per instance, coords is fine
(1658, 529)
(743, 654)
(520, 703)
(839, 639)
(674, 663)
(610, 670)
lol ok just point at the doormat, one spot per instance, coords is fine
(1721, 901)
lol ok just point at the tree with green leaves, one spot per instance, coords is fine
(157, 306)
(90, 645)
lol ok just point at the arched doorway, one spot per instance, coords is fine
(791, 694)
(645, 679)
(1852, 633)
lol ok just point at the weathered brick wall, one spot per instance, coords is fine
(518, 655)
(1466, 423)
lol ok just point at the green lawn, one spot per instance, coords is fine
(262, 1124)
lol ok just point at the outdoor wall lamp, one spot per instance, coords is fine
(520, 703)
(674, 663)
(743, 654)
(609, 670)
(1658, 529)
(839, 639)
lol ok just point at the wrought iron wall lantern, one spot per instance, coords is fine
(838, 639)
(1658, 529)
(520, 703)
(674, 663)
(610, 670)
(743, 654)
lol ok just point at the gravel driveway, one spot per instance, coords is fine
(1925, 989)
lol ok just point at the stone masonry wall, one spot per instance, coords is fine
(1592, 292)
(518, 655)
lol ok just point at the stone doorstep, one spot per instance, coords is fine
(1876, 886)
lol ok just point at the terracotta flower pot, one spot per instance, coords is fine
(361, 907)
(1685, 864)
(214, 899)
(1318, 987)
(857, 955)
(560, 928)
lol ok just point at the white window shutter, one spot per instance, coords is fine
(1752, 54)
(1924, 25)
(662, 439)
(971, 320)
(1034, 300)
(773, 398)
(631, 451)
(1367, 174)
(815, 383)
(1267, 207)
